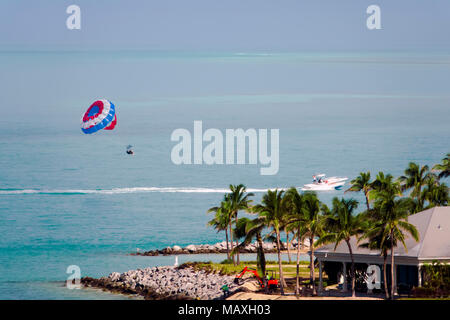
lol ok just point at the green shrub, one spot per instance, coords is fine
(227, 261)
(436, 276)
(436, 281)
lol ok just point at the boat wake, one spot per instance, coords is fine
(125, 190)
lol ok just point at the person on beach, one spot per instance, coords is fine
(266, 282)
(226, 291)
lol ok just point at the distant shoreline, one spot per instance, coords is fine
(218, 248)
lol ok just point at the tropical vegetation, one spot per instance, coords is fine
(382, 223)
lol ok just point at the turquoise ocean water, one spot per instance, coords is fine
(72, 199)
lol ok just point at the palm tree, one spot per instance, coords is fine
(393, 214)
(239, 200)
(342, 225)
(225, 209)
(435, 193)
(272, 209)
(384, 182)
(239, 231)
(220, 222)
(374, 242)
(443, 167)
(362, 183)
(286, 230)
(253, 229)
(313, 226)
(415, 178)
(296, 225)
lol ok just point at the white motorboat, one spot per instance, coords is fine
(322, 183)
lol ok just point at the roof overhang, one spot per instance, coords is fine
(364, 258)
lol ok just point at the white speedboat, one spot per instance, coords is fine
(322, 183)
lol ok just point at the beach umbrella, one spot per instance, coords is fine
(100, 115)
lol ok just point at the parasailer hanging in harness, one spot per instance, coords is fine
(101, 115)
(129, 150)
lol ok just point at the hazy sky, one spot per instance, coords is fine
(265, 25)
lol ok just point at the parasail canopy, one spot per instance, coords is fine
(100, 115)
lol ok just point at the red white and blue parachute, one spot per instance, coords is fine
(100, 115)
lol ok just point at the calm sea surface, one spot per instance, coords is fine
(72, 199)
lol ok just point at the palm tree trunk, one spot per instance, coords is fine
(297, 276)
(262, 258)
(287, 244)
(421, 201)
(367, 200)
(282, 283)
(228, 248)
(392, 267)
(312, 277)
(262, 261)
(231, 238)
(386, 290)
(237, 240)
(352, 267)
(419, 197)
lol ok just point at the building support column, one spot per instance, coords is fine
(369, 291)
(320, 277)
(419, 275)
(395, 279)
(344, 273)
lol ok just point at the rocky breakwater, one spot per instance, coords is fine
(220, 247)
(168, 283)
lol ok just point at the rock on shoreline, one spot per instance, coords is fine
(168, 283)
(220, 247)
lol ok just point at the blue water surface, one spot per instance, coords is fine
(67, 198)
